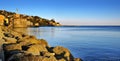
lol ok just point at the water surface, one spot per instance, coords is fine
(91, 43)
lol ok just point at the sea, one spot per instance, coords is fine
(90, 43)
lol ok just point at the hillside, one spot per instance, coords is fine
(21, 20)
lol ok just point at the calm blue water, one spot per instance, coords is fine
(90, 43)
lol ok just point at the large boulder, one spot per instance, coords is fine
(30, 39)
(16, 35)
(8, 54)
(36, 49)
(23, 43)
(9, 40)
(7, 34)
(2, 41)
(43, 42)
(51, 58)
(46, 53)
(62, 59)
(62, 52)
(77, 59)
(23, 57)
(9, 47)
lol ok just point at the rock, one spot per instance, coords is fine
(36, 49)
(1, 36)
(8, 47)
(14, 57)
(46, 53)
(62, 52)
(6, 34)
(23, 40)
(8, 54)
(36, 24)
(77, 59)
(2, 19)
(9, 40)
(51, 58)
(1, 33)
(31, 58)
(26, 36)
(23, 57)
(32, 40)
(23, 43)
(43, 42)
(2, 41)
(4, 29)
(29, 39)
(17, 22)
(62, 59)
(16, 35)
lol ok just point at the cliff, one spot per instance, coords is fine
(20, 20)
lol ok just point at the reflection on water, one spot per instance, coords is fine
(42, 31)
(89, 43)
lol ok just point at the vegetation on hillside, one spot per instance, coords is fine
(33, 20)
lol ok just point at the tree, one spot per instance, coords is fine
(52, 20)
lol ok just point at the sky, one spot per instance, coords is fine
(68, 12)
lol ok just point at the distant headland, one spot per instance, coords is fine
(22, 20)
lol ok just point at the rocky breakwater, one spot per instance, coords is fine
(22, 47)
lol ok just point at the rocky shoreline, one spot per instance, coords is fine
(22, 47)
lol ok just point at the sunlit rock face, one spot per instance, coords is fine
(9, 47)
(62, 52)
(18, 21)
(1, 33)
(9, 40)
(36, 49)
(2, 17)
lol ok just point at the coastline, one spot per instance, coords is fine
(22, 47)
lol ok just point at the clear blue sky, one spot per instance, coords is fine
(69, 12)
